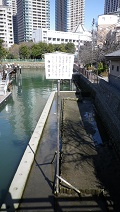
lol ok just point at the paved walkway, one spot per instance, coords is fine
(38, 195)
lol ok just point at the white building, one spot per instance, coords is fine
(6, 26)
(75, 14)
(1, 2)
(106, 23)
(58, 37)
(69, 14)
(13, 5)
(114, 68)
(31, 15)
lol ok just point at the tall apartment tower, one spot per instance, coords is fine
(13, 5)
(61, 15)
(111, 6)
(75, 16)
(2, 2)
(31, 15)
(6, 26)
(69, 14)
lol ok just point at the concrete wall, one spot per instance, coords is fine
(84, 84)
(106, 99)
(115, 81)
(107, 103)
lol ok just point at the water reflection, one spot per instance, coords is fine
(90, 117)
(18, 118)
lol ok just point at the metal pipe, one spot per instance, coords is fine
(60, 178)
(58, 135)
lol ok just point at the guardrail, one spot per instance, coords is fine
(92, 77)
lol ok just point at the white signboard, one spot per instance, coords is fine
(59, 65)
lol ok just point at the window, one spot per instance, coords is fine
(112, 67)
(118, 68)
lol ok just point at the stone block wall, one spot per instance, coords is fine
(115, 81)
(110, 96)
(83, 83)
(110, 120)
(106, 100)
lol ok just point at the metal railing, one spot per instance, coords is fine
(21, 60)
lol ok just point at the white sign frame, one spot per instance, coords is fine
(59, 65)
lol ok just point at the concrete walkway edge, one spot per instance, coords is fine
(3, 98)
(19, 181)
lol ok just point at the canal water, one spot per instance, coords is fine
(18, 118)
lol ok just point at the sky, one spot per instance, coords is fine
(93, 8)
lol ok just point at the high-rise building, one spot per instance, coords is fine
(111, 6)
(61, 15)
(75, 14)
(13, 5)
(1, 2)
(6, 26)
(69, 14)
(31, 15)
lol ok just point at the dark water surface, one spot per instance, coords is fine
(18, 119)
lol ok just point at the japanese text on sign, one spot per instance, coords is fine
(59, 65)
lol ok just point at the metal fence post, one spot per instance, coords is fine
(58, 136)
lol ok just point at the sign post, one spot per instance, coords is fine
(58, 65)
(58, 136)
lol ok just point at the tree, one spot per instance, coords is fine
(10, 56)
(36, 51)
(24, 52)
(70, 48)
(29, 45)
(50, 48)
(59, 47)
(44, 47)
(14, 52)
(86, 54)
(3, 51)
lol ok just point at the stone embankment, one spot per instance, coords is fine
(106, 100)
(26, 64)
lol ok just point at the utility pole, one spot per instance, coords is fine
(93, 46)
(93, 34)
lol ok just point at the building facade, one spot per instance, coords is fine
(114, 68)
(106, 25)
(75, 14)
(13, 5)
(1, 2)
(61, 15)
(111, 6)
(69, 14)
(6, 26)
(59, 37)
(32, 14)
